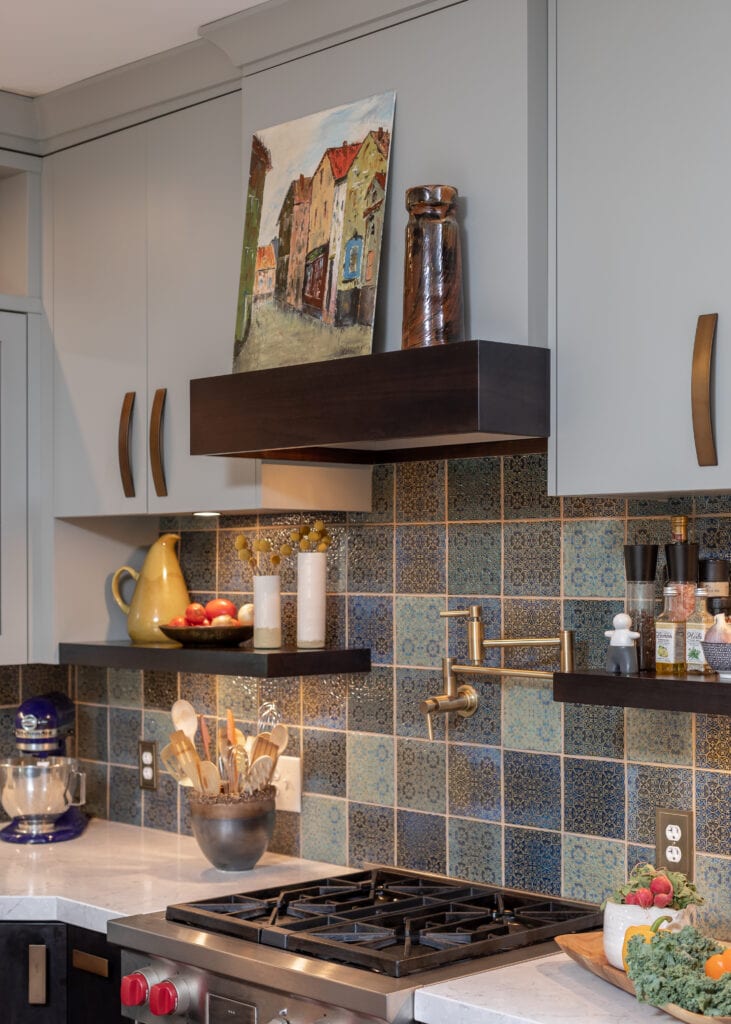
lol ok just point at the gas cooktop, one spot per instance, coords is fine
(392, 922)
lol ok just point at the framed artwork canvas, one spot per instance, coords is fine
(315, 206)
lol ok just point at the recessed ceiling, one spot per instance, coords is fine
(47, 44)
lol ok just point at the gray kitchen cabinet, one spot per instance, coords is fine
(147, 226)
(642, 241)
(33, 956)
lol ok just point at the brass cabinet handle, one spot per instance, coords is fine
(700, 390)
(158, 470)
(123, 441)
(84, 961)
(37, 975)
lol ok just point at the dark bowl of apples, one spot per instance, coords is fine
(212, 625)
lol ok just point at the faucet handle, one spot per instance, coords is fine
(473, 612)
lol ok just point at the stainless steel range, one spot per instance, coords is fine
(349, 949)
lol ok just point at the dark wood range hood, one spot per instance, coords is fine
(467, 398)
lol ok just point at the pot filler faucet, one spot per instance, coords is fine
(463, 700)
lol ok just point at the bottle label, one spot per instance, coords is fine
(716, 588)
(669, 643)
(694, 656)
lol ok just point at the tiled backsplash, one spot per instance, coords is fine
(527, 793)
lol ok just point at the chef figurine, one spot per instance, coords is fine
(622, 653)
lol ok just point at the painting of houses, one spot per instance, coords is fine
(311, 249)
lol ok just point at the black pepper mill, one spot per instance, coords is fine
(432, 269)
(640, 564)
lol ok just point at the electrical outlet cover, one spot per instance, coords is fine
(675, 840)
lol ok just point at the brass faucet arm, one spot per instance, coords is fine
(475, 629)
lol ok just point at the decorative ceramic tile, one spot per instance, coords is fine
(524, 489)
(323, 762)
(370, 701)
(593, 558)
(157, 726)
(593, 731)
(97, 788)
(711, 504)
(475, 851)
(713, 536)
(665, 737)
(324, 701)
(125, 688)
(531, 717)
(419, 630)
(272, 519)
(532, 559)
(713, 741)
(474, 782)
(474, 558)
(200, 690)
(91, 732)
(533, 860)
(589, 620)
(370, 769)
(197, 559)
(412, 687)
(420, 559)
(638, 854)
(421, 776)
(420, 492)
(713, 812)
(713, 875)
(234, 574)
(91, 685)
(286, 836)
(485, 725)
(594, 797)
(236, 521)
(421, 841)
(592, 867)
(160, 806)
(9, 684)
(676, 506)
(285, 693)
(457, 627)
(371, 835)
(381, 497)
(370, 624)
(125, 730)
(36, 680)
(125, 796)
(594, 508)
(159, 689)
(324, 829)
(648, 788)
(370, 559)
(473, 489)
(531, 618)
(241, 694)
(532, 789)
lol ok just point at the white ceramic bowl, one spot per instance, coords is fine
(618, 917)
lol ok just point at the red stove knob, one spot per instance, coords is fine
(134, 989)
(163, 999)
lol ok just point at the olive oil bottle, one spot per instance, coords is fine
(696, 628)
(670, 635)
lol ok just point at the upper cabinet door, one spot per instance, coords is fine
(99, 322)
(643, 241)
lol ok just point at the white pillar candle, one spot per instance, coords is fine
(311, 586)
(267, 612)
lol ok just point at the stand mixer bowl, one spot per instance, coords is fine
(36, 793)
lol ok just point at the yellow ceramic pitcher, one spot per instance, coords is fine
(160, 593)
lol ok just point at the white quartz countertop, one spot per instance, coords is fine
(550, 990)
(114, 870)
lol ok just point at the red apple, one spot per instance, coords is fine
(220, 606)
(178, 621)
(195, 614)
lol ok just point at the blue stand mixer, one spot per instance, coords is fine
(36, 790)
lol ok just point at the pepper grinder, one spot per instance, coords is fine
(640, 564)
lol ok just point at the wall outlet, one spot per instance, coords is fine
(147, 762)
(675, 840)
(288, 780)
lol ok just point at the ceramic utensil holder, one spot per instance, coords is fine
(267, 612)
(311, 587)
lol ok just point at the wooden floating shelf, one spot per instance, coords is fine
(707, 695)
(225, 661)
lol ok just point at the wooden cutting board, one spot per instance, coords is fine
(587, 949)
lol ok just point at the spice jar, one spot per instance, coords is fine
(640, 563)
(713, 576)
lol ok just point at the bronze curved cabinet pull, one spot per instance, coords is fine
(123, 444)
(156, 463)
(700, 390)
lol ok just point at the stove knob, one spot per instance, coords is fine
(134, 989)
(168, 997)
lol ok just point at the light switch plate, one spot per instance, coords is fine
(675, 840)
(288, 780)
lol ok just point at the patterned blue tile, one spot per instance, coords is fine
(370, 701)
(371, 835)
(713, 812)
(419, 630)
(125, 688)
(91, 685)
(421, 841)
(592, 868)
(198, 559)
(241, 694)
(420, 559)
(234, 573)
(323, 762)
(286, 836)
(9, 685)
(594, 795)
(91, 732)
(473, 489)
(382, 486)
(593, 552)
(474, 559)
(676, 506)
(713, 741)
(531, 717)
(526, 618)
(422, 776)
(474, 782)
(39, 679)
(714, 536)
(370, 624)
(593, 731)
(286, 694)
(475, 851)
(7, 732)
(524, 488)
(160, 689)
(589, 620)
(125, 730)
(665, 737)
(125, 796)
(201, 691)
(420, 492)
(324, 829)
(370, 761)
(532, 559)
(370, 559)
(532, 789)
(485, 725)
(594, 508)
(711, 504)
(713, 875)
(97, 788)
(412, 687)
(160, 806)
(648, 788)
(157, 726)
(324, 701)
(533, 860)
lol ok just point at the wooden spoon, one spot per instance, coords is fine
(210, 778)
(260, 772)
(280, 737)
